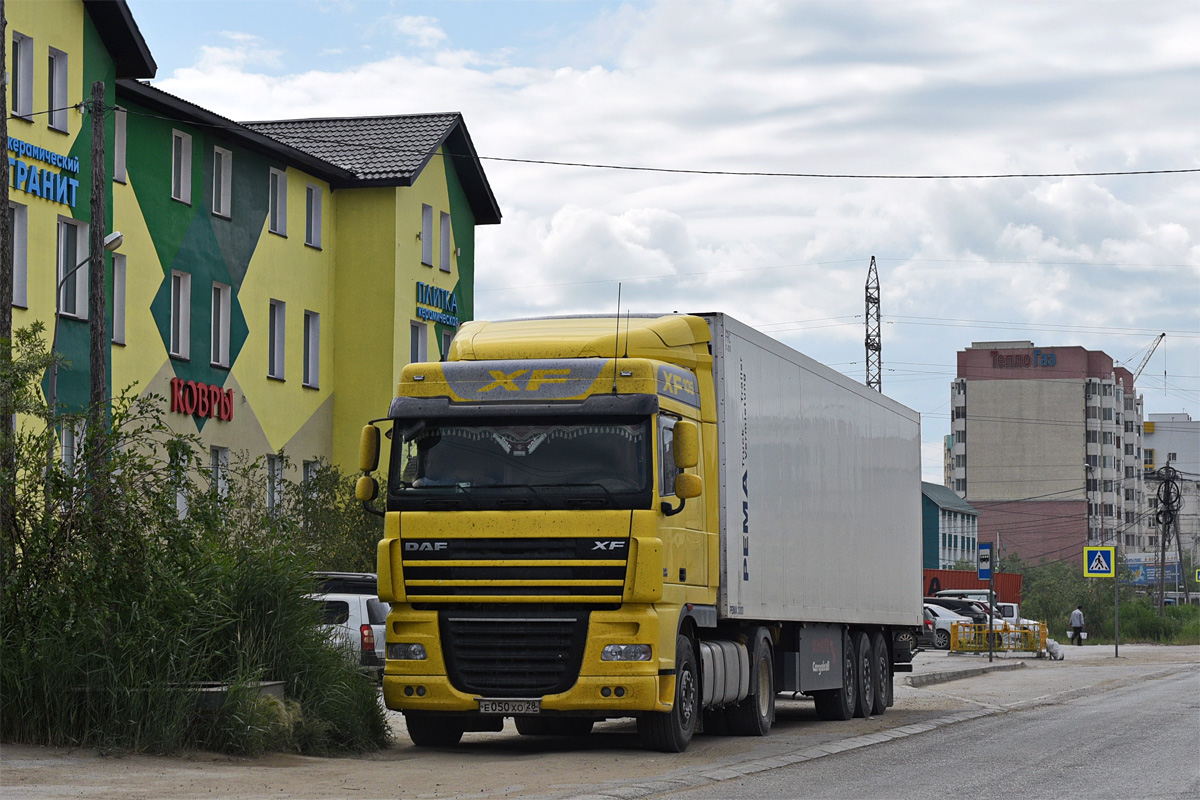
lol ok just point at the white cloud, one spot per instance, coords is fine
(917, 88)
(424, 31)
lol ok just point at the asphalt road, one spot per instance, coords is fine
(1137, 741)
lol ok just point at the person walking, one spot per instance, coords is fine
(1077, 625)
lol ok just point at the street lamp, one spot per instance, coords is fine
(111, 243)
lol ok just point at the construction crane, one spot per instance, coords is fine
(874, 341)
(1153, 346)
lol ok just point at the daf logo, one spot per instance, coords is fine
(607, 545)
(412, 547)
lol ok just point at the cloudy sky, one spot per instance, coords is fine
(850, 89)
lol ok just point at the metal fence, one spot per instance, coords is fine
(968, 638)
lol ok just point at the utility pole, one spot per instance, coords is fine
(874, 340)
(97, 394)
(8, 432)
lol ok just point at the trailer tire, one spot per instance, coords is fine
(864, 696)
(838, 704)
(429, 730)
(672, 732)
(881, 674)
(754, 715)
(554, 726)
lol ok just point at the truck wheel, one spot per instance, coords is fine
(882, 674)
(554, 726)
(672, 732)
(427, 730)
(838, 704)
(864, 699)
(754, 715)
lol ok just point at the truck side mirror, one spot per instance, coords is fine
(686, 445)
(688, 486)
(366, 488)
(368, 449)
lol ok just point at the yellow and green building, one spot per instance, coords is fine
(274, 277)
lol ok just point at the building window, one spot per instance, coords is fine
(72, 277)
(18, 227)
(21, 80)
(71, 440)
(312, 348)
(275, 329)
(219, 470)
(181, 167)
(118, 327)
(222, 178)
(119, 118)
(308, 474)
(444, 244)
(181, 314)
(277, 218)
(447, 340)
(221, 302)
(57, 85)
(427, 235)
(416, 342)
(274, 482)
(1172, 457)
(312, 215)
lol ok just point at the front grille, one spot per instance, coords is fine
(548, 569)
(513, 653)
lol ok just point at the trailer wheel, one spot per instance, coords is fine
(863, 658)
(881, 674)
(672, 732)
(427, 730)
(838, 704)
(554, 726)
(754, 715)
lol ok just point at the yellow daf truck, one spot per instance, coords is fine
(672, 518)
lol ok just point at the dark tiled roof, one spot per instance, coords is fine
(390, 151)
(387, 148)
(947, 499)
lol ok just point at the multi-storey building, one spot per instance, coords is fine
(1047, 447)
(950, 528)
(1174, 440)
(273, 278)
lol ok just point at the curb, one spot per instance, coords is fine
(917, 681)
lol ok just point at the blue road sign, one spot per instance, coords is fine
(984, 561)
(1099, 562)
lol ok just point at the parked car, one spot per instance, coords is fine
(943, 618)
(967, 608)
(926, 638)
(355, 616)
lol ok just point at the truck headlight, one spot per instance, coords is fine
(405, 651)
(625, 652)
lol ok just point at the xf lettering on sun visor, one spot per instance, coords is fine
(501, 381)
(678, 384)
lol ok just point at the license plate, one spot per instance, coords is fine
(510, 706)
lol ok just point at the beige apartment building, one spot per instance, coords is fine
(1047, 446)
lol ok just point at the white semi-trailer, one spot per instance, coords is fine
(668, 517)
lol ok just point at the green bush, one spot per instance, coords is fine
(114, 606)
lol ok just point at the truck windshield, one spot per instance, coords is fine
(506, 463)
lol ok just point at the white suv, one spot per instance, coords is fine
(355, 616)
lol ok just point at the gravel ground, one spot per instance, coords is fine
(949, 687)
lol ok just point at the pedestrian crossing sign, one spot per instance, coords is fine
(1099, 562)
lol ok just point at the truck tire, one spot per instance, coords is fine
(554, 726)
(754, 715)
(430, 730)
(838, 704)
(672, 732)
(864, 697)
(882, 674)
